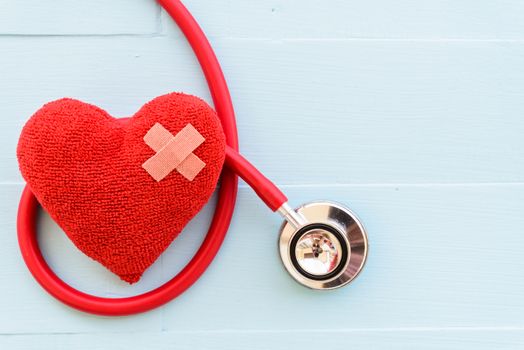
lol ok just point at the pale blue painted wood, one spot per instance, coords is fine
(369, 111)
(372, 19)
(441, 257)
(411, 112)
(394, 339)
(78, 17)
(435, 19)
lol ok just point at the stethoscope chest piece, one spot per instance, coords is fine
(327, 250)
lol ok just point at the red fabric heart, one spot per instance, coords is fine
(85, 168)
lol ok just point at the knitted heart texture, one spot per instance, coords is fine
(123, 189)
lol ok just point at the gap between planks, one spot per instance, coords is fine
(309, 331)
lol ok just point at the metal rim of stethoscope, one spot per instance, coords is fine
(322, 245)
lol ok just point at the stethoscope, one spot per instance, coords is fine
(322, 244)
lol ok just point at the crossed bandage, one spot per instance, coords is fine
(173, 152)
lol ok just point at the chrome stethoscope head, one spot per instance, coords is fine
(322, 244)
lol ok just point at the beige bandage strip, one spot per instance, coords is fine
(173, 152)
(158, 136)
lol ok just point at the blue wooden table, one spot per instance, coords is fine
(410, 112)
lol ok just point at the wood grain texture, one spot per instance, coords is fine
(409, 112)
(370, 112)
(441, 256)
(77, 17)
(394, 339)
(372, 19)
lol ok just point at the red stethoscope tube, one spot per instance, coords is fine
(235, 164)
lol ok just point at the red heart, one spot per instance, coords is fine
(85, 168)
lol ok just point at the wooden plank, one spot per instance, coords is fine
(308, 111)
(440, 256)
(375, 19)
(77, 17)
(446, 256)
(275, 19)
(435, 339)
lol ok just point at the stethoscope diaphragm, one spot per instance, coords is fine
(325, 248)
